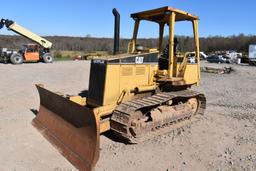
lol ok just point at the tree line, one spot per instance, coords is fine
(209, 44)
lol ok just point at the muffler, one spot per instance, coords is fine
(116, 31)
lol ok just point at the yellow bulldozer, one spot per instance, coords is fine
(137, 95)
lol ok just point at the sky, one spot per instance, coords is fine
(95, 18)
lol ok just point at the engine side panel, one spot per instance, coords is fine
(110, 78)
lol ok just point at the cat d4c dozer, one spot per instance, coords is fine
(138, 95)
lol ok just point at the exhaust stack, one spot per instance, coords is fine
(116, 31)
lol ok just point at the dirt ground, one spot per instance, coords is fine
(225, 138)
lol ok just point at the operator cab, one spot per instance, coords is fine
(171, 63)
(30, 52)
(30, 48)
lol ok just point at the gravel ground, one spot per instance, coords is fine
(223, 140)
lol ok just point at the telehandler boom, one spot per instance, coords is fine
(138, 95)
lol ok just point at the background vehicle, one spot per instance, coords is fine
(232, 56)
(252, 54)
(216, 59)
(202, 55)
(136, 95)
(30, 52)
(5, 54)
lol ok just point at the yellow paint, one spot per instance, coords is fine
(104, 126)
(78, 99)
(191, 74)
(30, 35)
(126, 77)
(196, 37)
(171, 45)
(146, 88)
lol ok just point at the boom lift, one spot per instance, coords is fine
(40, 51)
(138, 95)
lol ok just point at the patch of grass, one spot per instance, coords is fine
(66, 55)
(64, 58)
(69, 55)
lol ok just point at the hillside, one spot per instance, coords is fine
(89, 44)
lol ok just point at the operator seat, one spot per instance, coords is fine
(163, 62)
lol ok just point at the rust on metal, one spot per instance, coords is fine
(144, 121)
(72, 128)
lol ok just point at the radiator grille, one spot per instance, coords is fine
(127, 71)
(140, 71)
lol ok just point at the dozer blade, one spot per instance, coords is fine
(72, 128)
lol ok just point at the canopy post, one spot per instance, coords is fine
(161, 34)
(196, 39)
(171, 44)
(135, 33)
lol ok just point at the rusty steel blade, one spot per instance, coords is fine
(73, 129)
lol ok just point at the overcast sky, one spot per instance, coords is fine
(94, 17)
